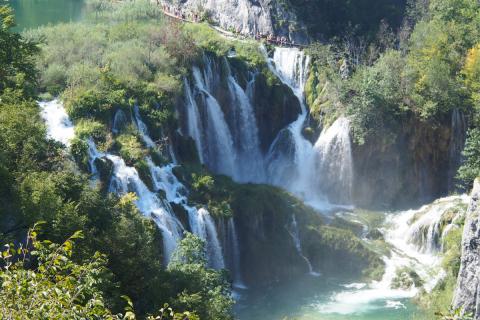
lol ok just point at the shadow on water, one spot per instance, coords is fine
(35, 13)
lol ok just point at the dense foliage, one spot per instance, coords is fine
(423, 72)
(40, 182)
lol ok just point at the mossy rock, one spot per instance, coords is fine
(341, 223)
(375, 234)
(406, 278)
(347, 254)
(105, 170)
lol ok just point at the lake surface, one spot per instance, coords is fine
(35, 13)
(312, 298)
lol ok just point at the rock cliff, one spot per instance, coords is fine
(467, 292)
(251, 16)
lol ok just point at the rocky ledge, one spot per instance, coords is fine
(467, 292)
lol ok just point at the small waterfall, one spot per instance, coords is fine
(119, 121)
(424, 229)
(402, 233)
(234, 250)
(193, 120)
(457, 142)
(126, 179)
(59, 126)
(219, 153)
(201, 222)
(334, 165)
(250, 159)
(142, 128)
(291, 66)
(295, 234)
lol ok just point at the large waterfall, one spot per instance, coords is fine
(322, 172)
(230, 143)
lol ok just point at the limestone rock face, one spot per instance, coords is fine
(251, 16)
(467, 291)
(410, 169)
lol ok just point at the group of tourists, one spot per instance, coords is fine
(178, 13)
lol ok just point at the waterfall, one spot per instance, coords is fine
(413, 236)
(201, 222)
(119, 121)
(234, 250)
(218, 150)
(295, 234)
(59, 126)
(423, 230)
(249, 159)
(320, 173)
(334, 165)
(126, 179)
(193, 120)
(457, 142)
(142, 128)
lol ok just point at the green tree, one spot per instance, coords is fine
(203, 290)
(17, 67)
(39, 280)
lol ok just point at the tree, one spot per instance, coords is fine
(204, 291)
(17, 67)
(470, 168)
(40, 281)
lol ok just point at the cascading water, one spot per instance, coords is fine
(126, 179)
(457, 142)
(59, 126)
(142, 128)
(413, 237)
(218, 146)
(334, 162)
(295, 234)
(234, 251)
(231, 145)
(201, 222)
(423, 230)
(318, 168)
(249, 157)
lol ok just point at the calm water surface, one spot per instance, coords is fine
(35, 13)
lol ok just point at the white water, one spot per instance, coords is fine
(200, 221)
(59, 126)
(232, 239)
(401, 234)
(218, 147)
(142, 128)
(334, 164)
(295, 234)
(250, 166)
(193, 120)
(126, 179)
(317, 168)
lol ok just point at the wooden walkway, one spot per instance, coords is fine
(229, 34)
